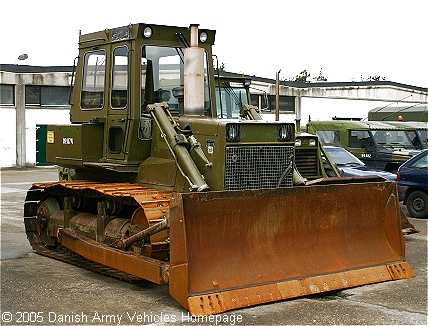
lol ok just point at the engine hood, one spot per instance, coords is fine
(365, 171)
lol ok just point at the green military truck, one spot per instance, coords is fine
(417, 131)
(377, 144)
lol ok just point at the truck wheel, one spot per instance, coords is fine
(417, 204)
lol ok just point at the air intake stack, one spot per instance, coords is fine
(194, 75)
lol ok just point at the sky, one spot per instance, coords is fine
(347, 40)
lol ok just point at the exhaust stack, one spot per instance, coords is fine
(194, 95)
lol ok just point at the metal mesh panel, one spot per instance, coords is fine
(254, 167)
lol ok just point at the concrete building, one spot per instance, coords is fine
(30, 96)
(325, 100)
(33, 96)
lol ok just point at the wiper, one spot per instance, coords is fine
(352, 164)
(385, 145)
(180, 53)
(186, 44)
(399, 144)
(183, 39)
(229, 90)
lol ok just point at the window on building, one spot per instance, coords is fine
(46, 95)
(55, 95)
(32, 95)
(286, 103)
(259, 100)
(7, 94)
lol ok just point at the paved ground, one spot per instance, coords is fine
(40, 291)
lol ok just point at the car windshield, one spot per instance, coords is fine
(392, 138)
(341, 157)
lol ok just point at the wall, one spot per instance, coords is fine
(18, 122)
(7, 137)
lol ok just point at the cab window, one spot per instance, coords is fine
(94, 73)
(331, 137)
(119, 91)
(230, 98)
(162, 77)
(360, 139)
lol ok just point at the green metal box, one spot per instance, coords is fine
(71, 145)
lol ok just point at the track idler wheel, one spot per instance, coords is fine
(44, 212)
(112, 206)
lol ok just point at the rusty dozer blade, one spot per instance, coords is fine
(233, 249)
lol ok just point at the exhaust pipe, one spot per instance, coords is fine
(194, 94)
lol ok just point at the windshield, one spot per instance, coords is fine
(341, 157)
(392, 138)
(162, 77)
(423, 136)
(230, 98)
(415, 139)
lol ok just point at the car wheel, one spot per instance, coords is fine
(417, 204)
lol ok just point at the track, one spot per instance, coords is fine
(155, 203)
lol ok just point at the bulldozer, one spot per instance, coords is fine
(154, 185)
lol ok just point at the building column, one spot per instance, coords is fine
(21, 149)
(298, 108)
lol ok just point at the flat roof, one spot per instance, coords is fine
(46, 69)
(34, 69)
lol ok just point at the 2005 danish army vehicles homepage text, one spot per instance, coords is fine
(155, 186)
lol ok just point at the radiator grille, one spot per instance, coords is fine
(306, 161)
(254, 167)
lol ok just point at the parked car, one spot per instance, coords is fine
(412, 181)
(350, 166)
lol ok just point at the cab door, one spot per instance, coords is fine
(362, 146)
(117, 122)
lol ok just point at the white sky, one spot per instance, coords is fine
(347, 39)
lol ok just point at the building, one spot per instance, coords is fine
(32, 97)
(328, 100)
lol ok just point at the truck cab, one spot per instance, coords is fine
(125, 77)
(377, 144)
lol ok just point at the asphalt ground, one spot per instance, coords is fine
(36, 290)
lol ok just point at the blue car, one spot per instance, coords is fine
(412, 181)
(349, 165)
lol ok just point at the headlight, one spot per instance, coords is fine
(203, 37)
(298, 142)
(312, 142)
(233, 132)
(147, 32)
(285, 132)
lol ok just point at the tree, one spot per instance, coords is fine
(373, 78)
(303, 77)
(320, 77)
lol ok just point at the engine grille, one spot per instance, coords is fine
(306, 162)
(254, 167)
